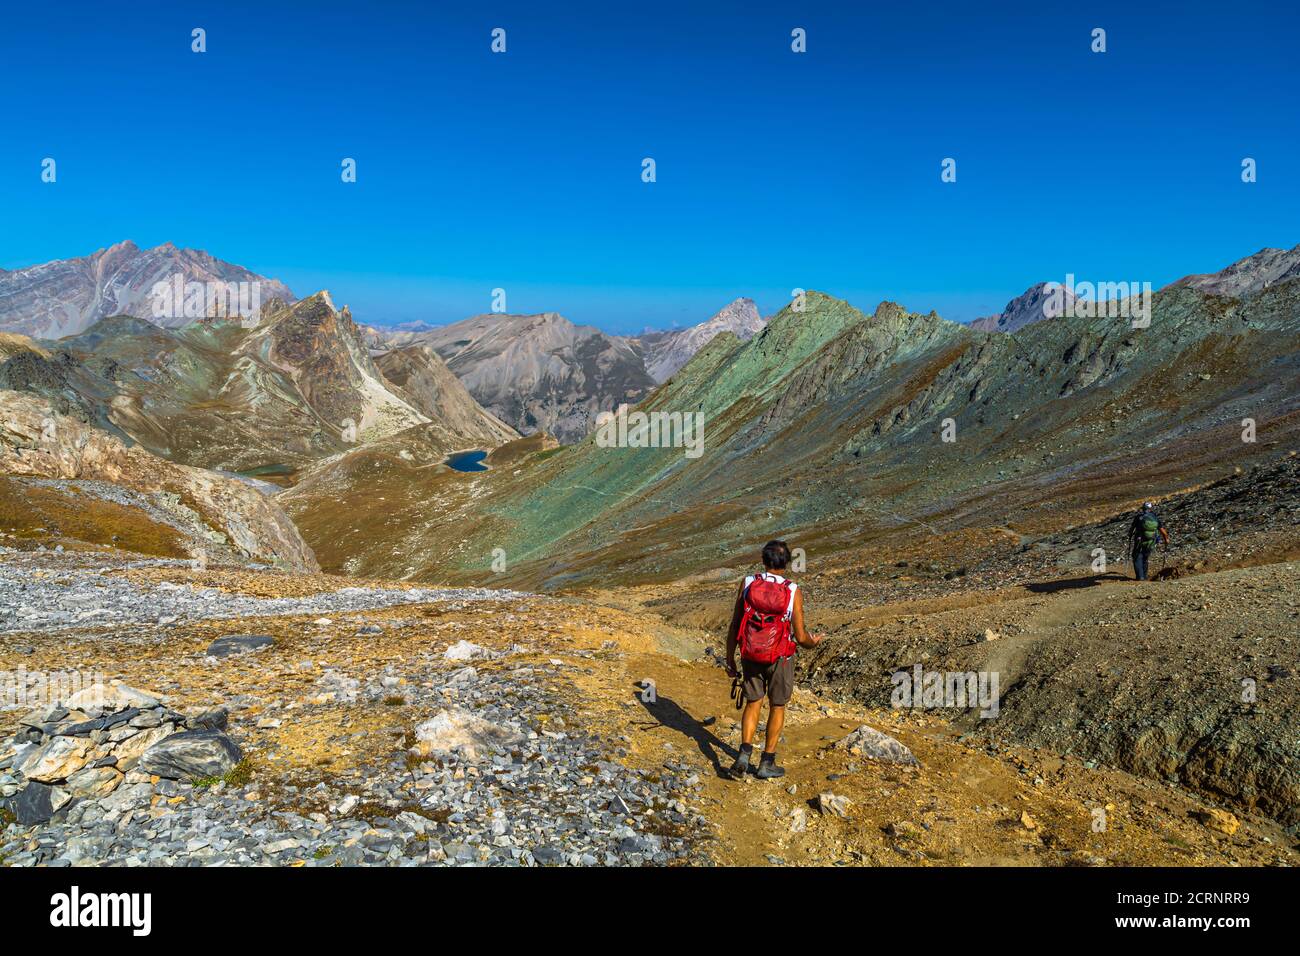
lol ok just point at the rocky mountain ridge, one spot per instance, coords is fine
(1035, 304)
(268, 398)
(1248, 276)
(667, 351)
(538, 372)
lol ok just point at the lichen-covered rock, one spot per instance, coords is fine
(93, 782)
(129, 751)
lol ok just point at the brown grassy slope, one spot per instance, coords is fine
(52, 516)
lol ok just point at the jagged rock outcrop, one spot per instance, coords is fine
(1033, 305)
(539, 372)
(1247, 276)
(667, 351)
(320, 349)
(422, 378)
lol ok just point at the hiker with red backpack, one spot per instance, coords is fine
(767, 626)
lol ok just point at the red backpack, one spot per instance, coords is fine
(764, 627)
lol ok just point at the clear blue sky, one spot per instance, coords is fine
(775, 170)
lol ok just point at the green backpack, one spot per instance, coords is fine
(1148, 528)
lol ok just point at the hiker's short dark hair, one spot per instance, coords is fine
(776, 555)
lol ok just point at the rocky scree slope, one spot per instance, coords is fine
(383, 739)
(417, 374)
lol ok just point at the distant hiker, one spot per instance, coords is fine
(1146, 531)
(766, 625)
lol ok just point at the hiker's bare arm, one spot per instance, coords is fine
(1164, 534)
(801, 636)
(734, 629)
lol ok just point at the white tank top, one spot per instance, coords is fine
(773, 576)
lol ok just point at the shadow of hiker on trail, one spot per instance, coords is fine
(1072, 584)
(668, 713)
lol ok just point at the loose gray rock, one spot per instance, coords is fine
(218, 719)
(86, 727)
(192, 755)
(522, 786)
(869, 742)
(832, 804)
(37, 802)
(233, 644)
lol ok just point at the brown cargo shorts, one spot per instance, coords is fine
(774, 681)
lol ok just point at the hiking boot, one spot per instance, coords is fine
(768, 770)
(741, 766)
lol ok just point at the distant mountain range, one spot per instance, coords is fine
(665, 352)
(544, 373)
(533, 372)
(538, 372)
(1033, 305)
(1249, 276)
(301, 381)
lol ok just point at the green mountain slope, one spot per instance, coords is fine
(828, 427)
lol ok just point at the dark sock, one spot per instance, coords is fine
(769, 757)
(746, 749)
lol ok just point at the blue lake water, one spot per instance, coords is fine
(468, 461)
